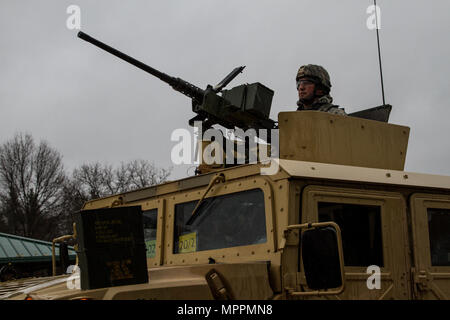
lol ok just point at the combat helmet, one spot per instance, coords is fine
(316, 72)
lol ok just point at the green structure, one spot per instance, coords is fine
(20, 256)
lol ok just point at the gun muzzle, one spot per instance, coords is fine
(178, 84)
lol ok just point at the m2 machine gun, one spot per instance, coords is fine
(246, 106)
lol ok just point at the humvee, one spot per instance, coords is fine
(334, 216)
(246, 242)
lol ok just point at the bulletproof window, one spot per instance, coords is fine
(230, 220)
(150, 222)
(361, 231)
(439, 231)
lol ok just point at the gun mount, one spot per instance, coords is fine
(246, 106)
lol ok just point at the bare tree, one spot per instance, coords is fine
(31, 187)
(143, 174)
(91, 181)
(90, 178)
(37, 198)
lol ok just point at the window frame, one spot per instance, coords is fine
(420, 202)
(388, 202)
(231, 254)
(157, 204)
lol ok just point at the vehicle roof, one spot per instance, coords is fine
(359, 174)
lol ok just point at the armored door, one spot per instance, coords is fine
(431, 238)
(374, 236)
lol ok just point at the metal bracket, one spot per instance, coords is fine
(422, 279)
(292, 237)
(217, 286)
(117, 202)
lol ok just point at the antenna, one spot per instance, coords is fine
(379, 51)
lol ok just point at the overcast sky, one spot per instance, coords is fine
(90, 106)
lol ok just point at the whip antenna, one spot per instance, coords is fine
(379, 51)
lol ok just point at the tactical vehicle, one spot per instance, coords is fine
(334, 216)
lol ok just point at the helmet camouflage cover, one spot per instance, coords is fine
(315, 72)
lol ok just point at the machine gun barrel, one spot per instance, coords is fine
(178, 84)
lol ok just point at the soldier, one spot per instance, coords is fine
(313, 85)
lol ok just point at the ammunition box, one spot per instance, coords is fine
(259, 100)
(254, 98)
(111, 247)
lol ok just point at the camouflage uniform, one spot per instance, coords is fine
(323, 103)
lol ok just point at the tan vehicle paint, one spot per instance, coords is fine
(328, 164)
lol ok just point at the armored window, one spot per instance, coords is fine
(231, 220)
(150, 219)
(439, 231)
(361, 231)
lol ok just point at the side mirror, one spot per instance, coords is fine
(63, 257)
(323, 258)
(320, 254)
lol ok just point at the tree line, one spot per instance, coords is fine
(38, 196)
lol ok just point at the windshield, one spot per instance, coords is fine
(231, 220)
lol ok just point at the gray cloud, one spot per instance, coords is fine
(93, 107)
